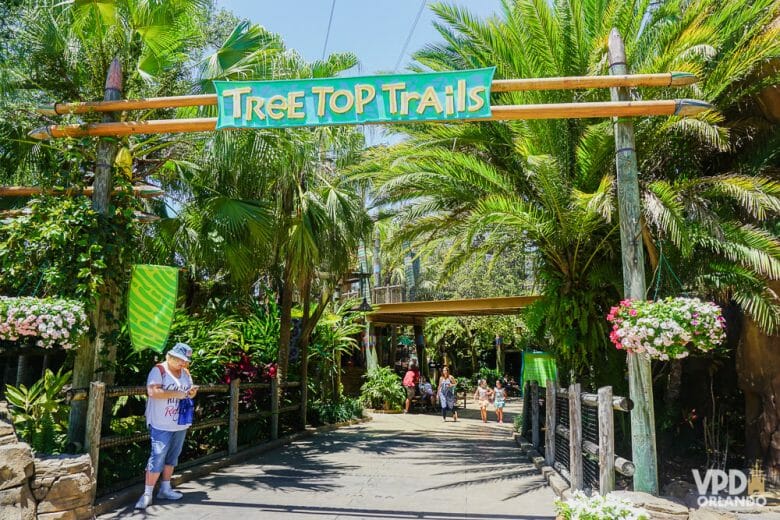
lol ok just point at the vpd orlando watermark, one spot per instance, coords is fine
(742, 490)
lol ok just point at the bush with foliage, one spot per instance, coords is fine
(331, 413)
(668, 328)
(52, 321)
(382, 389)
(597, 507)
(39, 412)
(61, 246)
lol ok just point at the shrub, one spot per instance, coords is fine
(50, 321)
(340, 411)
(382, 389)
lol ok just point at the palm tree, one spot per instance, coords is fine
(551, 183)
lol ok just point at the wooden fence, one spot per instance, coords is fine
(562, 424)
(98, 393)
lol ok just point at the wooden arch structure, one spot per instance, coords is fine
(621, 107)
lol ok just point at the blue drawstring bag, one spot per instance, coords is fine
(186, 411)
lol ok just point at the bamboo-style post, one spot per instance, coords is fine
(640, 382)
(233, 419)
(661, 107)
(549, 422)
(274, 408)
(664, 79)
(535, 413)
(606, 441)
(575, 436)
(97, 394)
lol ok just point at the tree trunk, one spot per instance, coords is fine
(88, 354)
(758, 370)
(285, 324)
(304, 349)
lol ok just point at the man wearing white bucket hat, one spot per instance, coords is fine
(167, 385)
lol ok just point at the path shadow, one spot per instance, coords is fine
(383, 514)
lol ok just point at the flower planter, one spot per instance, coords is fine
(666, 329)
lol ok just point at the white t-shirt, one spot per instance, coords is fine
(163, 414)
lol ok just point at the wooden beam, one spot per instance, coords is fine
(143, 191)
(664, 79)
(680, 107)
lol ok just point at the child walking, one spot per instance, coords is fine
(499, 396)
(482, 396)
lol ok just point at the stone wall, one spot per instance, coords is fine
(60, 487)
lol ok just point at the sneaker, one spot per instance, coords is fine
(169, 494)
(144, 502)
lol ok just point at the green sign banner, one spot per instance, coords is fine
(434, 96)
(538, 366)
(151, 301)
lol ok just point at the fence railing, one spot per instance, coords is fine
(387, 294)
(566, 414)
(97, 394)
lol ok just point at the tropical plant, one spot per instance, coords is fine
(549, 186)
(382, 389)
(39, 412)
(333, 338)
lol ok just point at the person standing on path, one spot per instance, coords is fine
(482, 396)
(169, 388)
(499, 398)
(447, 394)
(411, 378)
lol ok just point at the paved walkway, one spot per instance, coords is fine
(394, 467)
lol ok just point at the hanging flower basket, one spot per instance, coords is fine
(48, 321)
(666, 329)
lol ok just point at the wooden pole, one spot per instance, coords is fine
(97, 394)
(233, 419)
(575, 436)
(274, 408)
(663, 107)
(639, 371)
(606, 441)
(664, 79)
(535, 414)
(143, 191)
(549, 423)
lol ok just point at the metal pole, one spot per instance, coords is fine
(639, 374)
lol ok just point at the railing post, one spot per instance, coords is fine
(274, 409)
(549, 423)
(233, 420)
(575, 436)
(606, 441)
(97, 395)
(535, 413)
(526, 409)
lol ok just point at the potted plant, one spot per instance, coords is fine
(666, 329)
(597, 507)
(382, 389)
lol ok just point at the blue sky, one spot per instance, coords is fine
(375, 30)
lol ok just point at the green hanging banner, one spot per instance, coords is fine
(151, 302)
(431, 96)
(538, 366)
